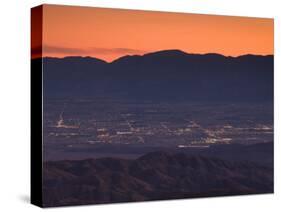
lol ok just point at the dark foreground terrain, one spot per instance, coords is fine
(153, 176)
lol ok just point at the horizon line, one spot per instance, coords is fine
(152, 52)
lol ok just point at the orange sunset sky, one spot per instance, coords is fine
(111, 33)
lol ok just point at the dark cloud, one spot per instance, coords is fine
(61, 50)
(93, 50)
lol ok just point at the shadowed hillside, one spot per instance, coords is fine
(167, 75)
(154, 176)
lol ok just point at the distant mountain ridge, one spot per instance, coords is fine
(169, 52)
(154, 176)
(167, 74)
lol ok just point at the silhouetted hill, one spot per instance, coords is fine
(168, 74)
(156, 175)
(71, 68)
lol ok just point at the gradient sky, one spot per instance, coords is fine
(111, 33)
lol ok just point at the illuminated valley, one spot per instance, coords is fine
(84, 125)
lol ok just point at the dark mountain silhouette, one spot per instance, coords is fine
(167, 75)
(154, 176)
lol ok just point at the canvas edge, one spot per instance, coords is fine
(36, 197)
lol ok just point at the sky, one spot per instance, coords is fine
(112, 33)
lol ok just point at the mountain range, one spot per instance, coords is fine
(153, 176)
(167, 75)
